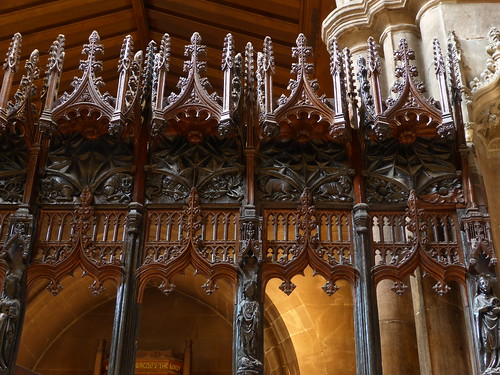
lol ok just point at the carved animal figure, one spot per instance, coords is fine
(57, 189)
(276, 185)
(118, 188)
(339, 188)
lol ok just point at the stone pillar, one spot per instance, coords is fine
(248, 328)
(99, 355)
(126, 322)
(448, 348)
(397, 331)
(366, 330)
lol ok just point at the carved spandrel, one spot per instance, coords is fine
(104, 164)
(319, 166)
(213, 166)
(426, 165)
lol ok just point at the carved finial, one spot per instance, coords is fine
(194, 51)
(228, 52)
(163, 60)
(147, 74)
(268, 55)
(92, 50)
(26, 86)
(51, 83)
(439, 67)
(373, 56)
(13, 54)
(301, 53)
(249, 68)
(364, 89)
(335, 56)
(399, 288)
(405, 55)
(56, 55)
(441, 288)
(330, 288)
(126, 53)
(454, 57)
(406, 71)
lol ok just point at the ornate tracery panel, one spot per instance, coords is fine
(205, 238)
(294, 239)
(403, 241)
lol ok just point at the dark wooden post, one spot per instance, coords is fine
(127, 311)
(248, 330)
(16, 253)
(367, 335)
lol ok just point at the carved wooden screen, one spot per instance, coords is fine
(322, 239)
(207, 239)
(65, 240)
(402, 243)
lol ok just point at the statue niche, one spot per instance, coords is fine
(487, 314)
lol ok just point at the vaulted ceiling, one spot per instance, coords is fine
(40, 22)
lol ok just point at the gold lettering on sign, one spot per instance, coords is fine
(157, 366)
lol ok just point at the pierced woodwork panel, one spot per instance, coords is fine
(404, 241)
(213, 166)
(287, 167)
(294, 239)
(332, 232)
(167, 234)
(75, 162)
(206, 239)
(93, 240)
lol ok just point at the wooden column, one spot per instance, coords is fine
(248, 328)
(16, 251)
(127, 311)
(366, 329)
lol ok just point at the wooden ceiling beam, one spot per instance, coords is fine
(142, 23)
